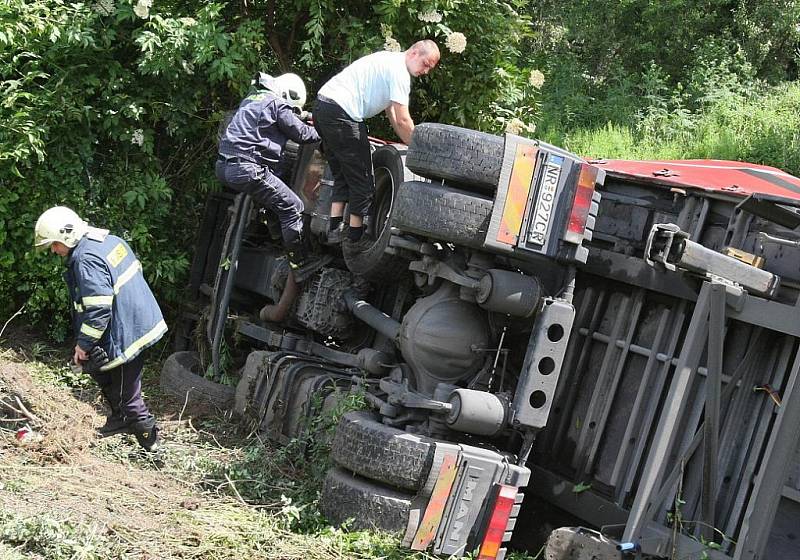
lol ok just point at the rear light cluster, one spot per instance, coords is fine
(584, 206)
(501, 522)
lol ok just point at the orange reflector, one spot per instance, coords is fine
(498, 522)
(517, 196)
(435, 509)
(582, 204)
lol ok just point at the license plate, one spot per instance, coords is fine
(545, 201)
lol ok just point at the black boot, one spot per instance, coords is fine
(146, 433)
(302, 262)
(115, 422)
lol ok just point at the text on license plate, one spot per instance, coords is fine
(546, 199)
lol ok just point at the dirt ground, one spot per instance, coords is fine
(66, 494)
(62, 470)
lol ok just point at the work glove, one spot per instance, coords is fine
(97, 358)
(305, 116)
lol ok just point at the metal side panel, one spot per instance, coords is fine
(674, 408)
(764, 501)
(545, 355)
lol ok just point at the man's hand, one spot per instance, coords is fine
(79, 356)
(97, 359)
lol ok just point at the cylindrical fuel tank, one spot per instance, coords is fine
(441, 337)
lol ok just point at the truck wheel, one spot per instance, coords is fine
(442, 213)
(345, 497)
(468, 157)
(374, 263)
(182, 379)
(382, 453)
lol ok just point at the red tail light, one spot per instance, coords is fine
(582, 204)
(498, 522)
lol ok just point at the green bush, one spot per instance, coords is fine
(111, 107)
(102, 120)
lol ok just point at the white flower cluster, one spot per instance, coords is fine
(391, 44)
(142, 8)
(536, 79)
(104, 7)
(431, 16)
(517, 126)
(456, 42)
(137, 137)
(135, 111)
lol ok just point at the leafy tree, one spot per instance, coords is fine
(111, 106)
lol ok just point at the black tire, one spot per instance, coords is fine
(382, 453)
(181, 379)
(442, 213)
(374, 263)
(468, 157)
(369, 506)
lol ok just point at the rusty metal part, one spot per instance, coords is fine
(275, 313)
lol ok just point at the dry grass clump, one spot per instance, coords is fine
(215, 493)
(61, 420)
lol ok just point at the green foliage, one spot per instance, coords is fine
(291, 476)
(761, 127)
(109, 113)
(56, 539)
(111, 106)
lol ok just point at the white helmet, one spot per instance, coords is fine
(59, 224)
(289, 87)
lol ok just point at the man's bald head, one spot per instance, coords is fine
(422, 57)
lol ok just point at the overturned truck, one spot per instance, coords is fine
(601, 356)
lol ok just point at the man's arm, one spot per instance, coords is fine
(294, 128)
(97, 299)
(401, 120)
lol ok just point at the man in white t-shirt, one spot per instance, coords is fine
(377, 82)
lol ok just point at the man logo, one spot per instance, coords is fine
(463, 509)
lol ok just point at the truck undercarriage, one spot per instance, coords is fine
(533, 333)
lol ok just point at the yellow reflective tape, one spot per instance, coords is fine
(117, 255)
(129, 273)
(78, 307)
(137, 345)
(98, 301)
(113, 363)
(91, 332)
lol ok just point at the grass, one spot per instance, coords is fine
(759, 127)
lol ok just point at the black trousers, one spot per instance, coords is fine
(122, 386)
(268, 190)
(346, 145)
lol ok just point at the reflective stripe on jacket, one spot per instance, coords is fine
(112, 304)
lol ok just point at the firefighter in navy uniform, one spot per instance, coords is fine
(115, 316)
(250, 151)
